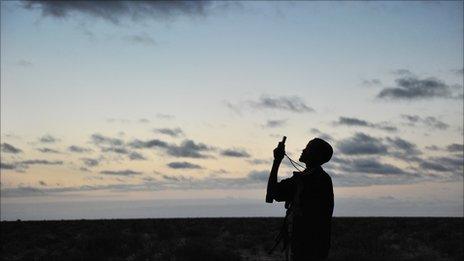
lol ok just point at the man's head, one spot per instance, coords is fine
(317, 152)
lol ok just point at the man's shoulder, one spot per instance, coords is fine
(327, 178)
(323, 175)
(326, 175)
(319, 175)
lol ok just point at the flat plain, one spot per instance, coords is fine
(366, 238)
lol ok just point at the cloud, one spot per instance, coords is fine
(126, 172)
(325, 137)
(11, 135)
(164, 116)
(356, 179)
(347, 121)
(361, 144)
(119, 120)
(8, 166)
(84, 169)
(117, 150)
(371, 82)
(48, 139)
(48, 150)
(89, 162)
(143, 39)
(155, 143)
(24, 63)
(455, 147)
(393, 147)
(259, 161)
(315, 130)
(432, 148)
(458, 71)
(434, 166)
(412, 88)
(255, 179)
(100, 140)
(178, 179)
(41, 162)
(133, 155)
(117, 146)
(8, 148)
(371, 166)
(354, 172)
(402, 72)
(429, 121)
(236, 108)
(412, 119)
(435, 123)
(443, 167)
(453, 164)
(233, 152)
(284, 103)
(149, 184)
(275, 123)
(23, 165)
(260, 176)
(78, 149)
(188, 148)
(352, 122)
(117, 11)
(404, 146)
(221, 171)
(321, 135)
(175, 132)
(21, 192)
(183, 165)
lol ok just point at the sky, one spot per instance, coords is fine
(172, 109)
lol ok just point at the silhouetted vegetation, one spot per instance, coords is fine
(226, 239)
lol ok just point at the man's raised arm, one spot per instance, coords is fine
(279, 154)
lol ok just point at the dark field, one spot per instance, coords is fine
(226, 239)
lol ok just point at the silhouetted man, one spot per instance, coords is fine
(309, 195)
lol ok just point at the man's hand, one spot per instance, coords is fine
(279, 152)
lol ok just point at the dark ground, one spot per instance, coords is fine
(226, 239)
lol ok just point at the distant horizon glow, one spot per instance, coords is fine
(157, 108)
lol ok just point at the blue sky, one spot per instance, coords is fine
(382, 81)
